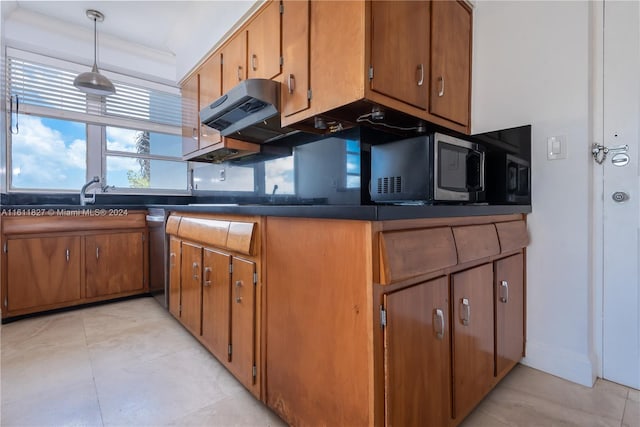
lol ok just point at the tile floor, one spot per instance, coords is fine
(132, 364)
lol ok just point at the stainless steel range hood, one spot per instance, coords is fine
(248, 112)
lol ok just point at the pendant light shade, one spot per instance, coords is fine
(92, 81)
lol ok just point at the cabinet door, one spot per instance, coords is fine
(234, 61)
(114, 263)
(418, 375)
(243, 321)
(42, 271)
(191, 290)
(295, 52)
(210, 90)
(174, 276)
(400, 50)
(473, 350)
(216, 303)
(450, 61)
(190, 116)
(264, 43)
(509, 303)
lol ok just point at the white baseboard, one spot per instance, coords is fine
(572, 366)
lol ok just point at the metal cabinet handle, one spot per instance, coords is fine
(254, 62)
(239, 73)
(207, 276)
(194, 133)
(238, 296)
(68, 254)
(291, 83)
(97, 252)
(195, 271)
(504, 291)
(421, 74)
(465, 312)
(172, 260)
(438, 323)
(441, 82)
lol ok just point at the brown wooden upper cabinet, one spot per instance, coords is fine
(295, 47)
(210, 90)
(190, 116)
(263, 38)
(234, 61)
(421, 56)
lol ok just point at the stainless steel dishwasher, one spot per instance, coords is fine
(158, 247)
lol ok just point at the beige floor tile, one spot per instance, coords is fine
(37, 369)
(73, 405)
(516, 408)
(145, 394)
(604, 386)
(239, 410)
(631, 414)
(634, 395)
(481, 418)
(606, 399)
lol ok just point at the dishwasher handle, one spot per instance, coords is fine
(155, 218)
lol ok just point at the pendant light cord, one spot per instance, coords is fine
(95, 41)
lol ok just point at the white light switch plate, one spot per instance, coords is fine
(557, 147)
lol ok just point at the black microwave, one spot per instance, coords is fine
(508, 179)
(428, 169)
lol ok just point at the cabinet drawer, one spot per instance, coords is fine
(240, 237)
(208, 231)
(405, 254)
(513, 235)
(173, 223)
(476, 241)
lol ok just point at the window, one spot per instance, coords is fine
(279, 176)
(60, 136)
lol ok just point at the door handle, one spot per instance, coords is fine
(195, 270)
(239, 73)
(207, 276)
(254, 62)
(465, 311)
(238, 296)
(291, 83)
(420, 74)
(438, 323)
(97, 252)
(67, 254)
(620, 196)
(172, 260)
(504, 291)
(441, 82)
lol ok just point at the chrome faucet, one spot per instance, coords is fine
(84, 200)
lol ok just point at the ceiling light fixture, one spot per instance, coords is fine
(92, 81)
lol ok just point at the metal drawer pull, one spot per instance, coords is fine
(195, 271)
(291, 83)
(239, 73)
(421, 71)
(238, 297)
(438, 323)
(466, 311)
(172, 260)
(97, 252)
(68, 254)
(254, 62)
(441, 81)
(504, 291)
(194, 133)
(207, 276)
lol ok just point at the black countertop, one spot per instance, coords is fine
(354, 212)
(364, 213)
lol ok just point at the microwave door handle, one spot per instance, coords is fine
(474, 169)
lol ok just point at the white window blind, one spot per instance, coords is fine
(46, 89)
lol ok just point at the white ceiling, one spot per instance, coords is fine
(154, 24)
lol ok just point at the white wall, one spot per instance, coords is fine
(531, 65)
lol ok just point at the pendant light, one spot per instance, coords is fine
(92, 81)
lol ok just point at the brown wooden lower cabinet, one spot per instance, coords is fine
(472, 330)
(42, 271)
(113, 263)
(213, 292)
(357, 335)
(416, 355)
(56, 262)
